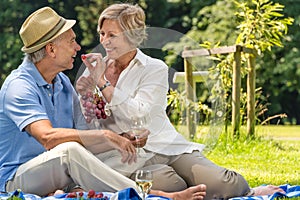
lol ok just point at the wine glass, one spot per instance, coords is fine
(138, 126)
(143, 180)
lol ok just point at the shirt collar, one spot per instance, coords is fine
(141, 57)
(31, 68)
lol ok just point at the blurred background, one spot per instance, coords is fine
(278, 72)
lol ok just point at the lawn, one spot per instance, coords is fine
(272, 158)
(279, 132)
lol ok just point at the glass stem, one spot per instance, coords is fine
(137, 145)
(144, 195)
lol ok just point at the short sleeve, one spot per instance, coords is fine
(23, 103)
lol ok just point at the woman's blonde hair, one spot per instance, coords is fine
(131, 19)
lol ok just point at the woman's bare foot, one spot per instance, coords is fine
(192, 193)
(197, 192)
(267, 190)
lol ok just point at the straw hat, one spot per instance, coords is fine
(41, 27)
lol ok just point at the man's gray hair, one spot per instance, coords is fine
(38, 55)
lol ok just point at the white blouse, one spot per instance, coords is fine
(142, 88)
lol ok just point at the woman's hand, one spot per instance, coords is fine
(85, 85)
(96, 66)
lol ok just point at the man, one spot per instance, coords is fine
(38, 109)
(43, 144)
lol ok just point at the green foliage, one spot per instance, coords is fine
(211, 20)
(178, 104)
(280, 71)
(212, 23)
(262, 24)
(210, 27)
(10, 43)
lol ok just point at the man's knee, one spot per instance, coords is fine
(230, 185)
(69, 148)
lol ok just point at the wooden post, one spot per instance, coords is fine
(251, 96)
(236, 89)
(190, 121)
(236, 84)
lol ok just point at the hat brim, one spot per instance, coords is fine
(68, 25)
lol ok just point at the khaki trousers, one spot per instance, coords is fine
(67, 164)
(175, 173)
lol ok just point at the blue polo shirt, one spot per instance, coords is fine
(26, 97)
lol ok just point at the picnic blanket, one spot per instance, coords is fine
(291, 191)
(126, 194)
(131, 194)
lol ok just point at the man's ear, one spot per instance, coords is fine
(50, 49)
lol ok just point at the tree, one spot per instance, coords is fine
(210, 20)
(279, 71)
(12, 16)
(260, 26)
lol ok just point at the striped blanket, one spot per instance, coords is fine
(131, 194)
(291, 191)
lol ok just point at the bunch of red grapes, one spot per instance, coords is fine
(94, 106)
(90, 195)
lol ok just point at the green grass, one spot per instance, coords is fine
(272, 158)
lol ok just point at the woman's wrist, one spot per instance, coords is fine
(103, 84)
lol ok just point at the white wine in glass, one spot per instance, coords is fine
(143, 180)
(138, 126)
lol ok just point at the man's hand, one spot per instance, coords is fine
(123, 145)
(139, 141)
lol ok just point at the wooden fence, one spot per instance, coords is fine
(236, 85)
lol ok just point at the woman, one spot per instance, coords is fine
(133, 83)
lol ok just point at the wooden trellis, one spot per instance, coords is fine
(236, 85)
